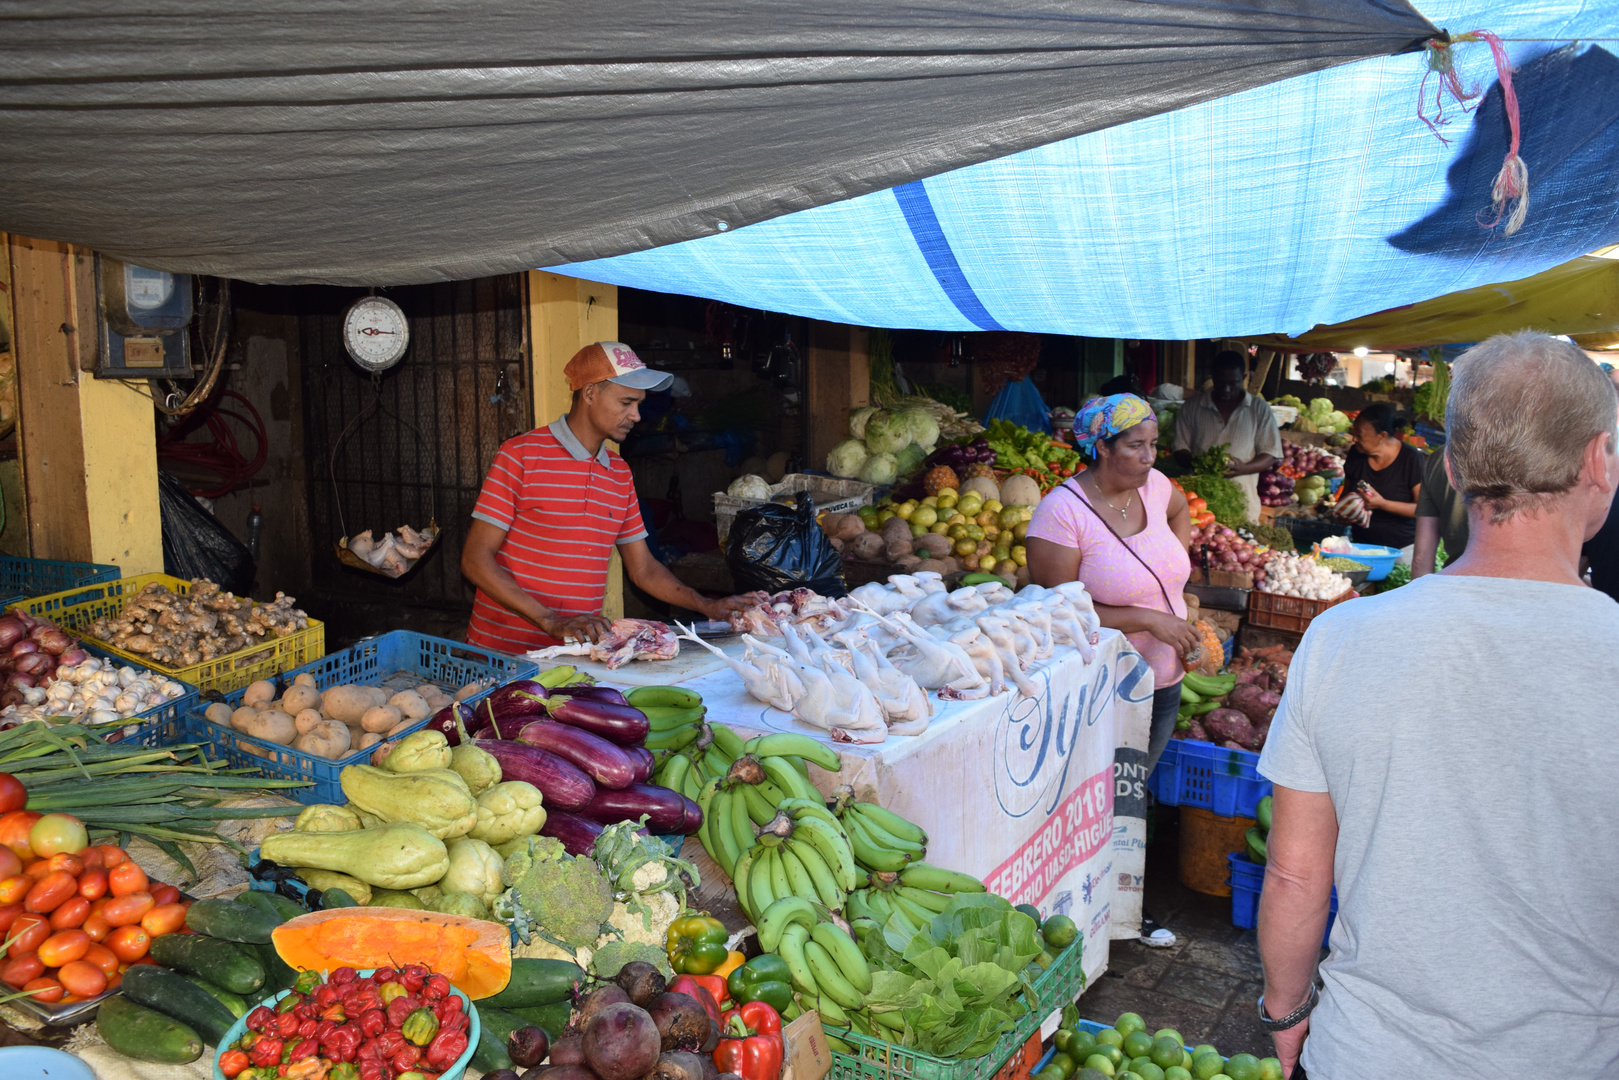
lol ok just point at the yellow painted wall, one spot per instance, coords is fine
(564, 315)
(120, 476)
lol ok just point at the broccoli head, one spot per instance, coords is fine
(611, 958)
(523, 853)
(564, 898)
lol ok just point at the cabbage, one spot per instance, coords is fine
(910, 459)
(885, 434)
(1320, 409)
(857, 420)
(920, 423)
(846, 459)
(1337, 422)
(879, 469)
(749, 487)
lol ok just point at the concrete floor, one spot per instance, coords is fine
(1205, 986)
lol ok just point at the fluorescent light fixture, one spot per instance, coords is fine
(1361, 350)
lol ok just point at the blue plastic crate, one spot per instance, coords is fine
(1247, 879)
(449, 663)
(22, 578)
(1222, 781)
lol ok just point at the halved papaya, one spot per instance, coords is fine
(475, 955)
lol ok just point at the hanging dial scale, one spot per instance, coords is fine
(376, 333)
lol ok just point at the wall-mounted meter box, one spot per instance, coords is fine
(144, 316)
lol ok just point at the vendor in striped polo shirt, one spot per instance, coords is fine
(552, 507)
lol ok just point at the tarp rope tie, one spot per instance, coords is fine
(1509, 194)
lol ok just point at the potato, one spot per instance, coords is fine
(257, 692)
(305, 679)
(297, 699)
(845, 528)
(380, 718)
(468, 690)
(867, 546)
(430, 690)
(307, 719)
(271, 725)
(346, 703)
(240, 718)
(369, 739)
(379, 695)
(327, 738)
(400, 728)
(830, 523)
(218, 713)
(411, 705)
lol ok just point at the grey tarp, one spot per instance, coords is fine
(409, 140)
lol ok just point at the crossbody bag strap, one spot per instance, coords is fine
(1074, 491)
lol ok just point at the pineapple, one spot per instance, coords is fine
(938, 478)
(980, 468)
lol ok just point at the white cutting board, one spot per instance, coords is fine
(693, 662)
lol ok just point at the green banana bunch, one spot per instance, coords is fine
(881, 839)
(674, 716)
(1207, 686)
(828, 969)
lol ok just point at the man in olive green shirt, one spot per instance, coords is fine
(1441, 515)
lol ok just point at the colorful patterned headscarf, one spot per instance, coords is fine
(1105, 417)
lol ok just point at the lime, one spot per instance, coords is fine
(1203, 1048)
(1060, 931)
(1081, 1038)
(1061, 1039)
(1109, 1037)
(1175, 1072)
(1270, 1068)
(1091, 1074)
(1136, 1044)
(1128, 1022)
(1186, 1059)
(1101, 1063)
(1169, 1033)
(1028, 909)
(1062, 1064)
(1114, 1055)
(1207, 1065)
(1135, 1064)
(1242, 1067)
(1147, 1071)
(1166, 1051)
(1050, 1072)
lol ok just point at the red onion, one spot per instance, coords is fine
(73, 657)
(11, 630)
(20, 679)
(11, 697)
(53, 640)
(36, 663)
(23, 648)
(27, 620)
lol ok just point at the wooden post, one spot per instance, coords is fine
(839, 378)
(564, 315)
(1261, 371)
(88, 446)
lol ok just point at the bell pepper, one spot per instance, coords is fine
(709, 990)
(750, 1042)
(764, 978)
(733, 960)
(696, 945)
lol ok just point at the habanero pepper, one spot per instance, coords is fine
(750, 1042)
(444, 1049)
(696, 945)
(764, 978)
(266, 1052)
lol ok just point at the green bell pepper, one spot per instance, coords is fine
(764, 978)
(696, 944)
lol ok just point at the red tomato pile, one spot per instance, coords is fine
(74, 916)
(381, 1026)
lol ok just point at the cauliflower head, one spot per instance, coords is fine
(647, 922)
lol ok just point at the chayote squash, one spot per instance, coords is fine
(437, 799)
(477, 767)
(474, 868)
(507, 811)
(418, 752)
(325, 817)
(334, 879)
(396, 898)
(395, 856)
(460, 903)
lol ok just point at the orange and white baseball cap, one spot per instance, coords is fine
(613, 361)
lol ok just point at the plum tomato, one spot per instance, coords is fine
(93, 883)
(126, 878)
(71, 914)
(164, 894)
(128, 909)
(96, 927)
(82, 979)
(129, 943)
(164, 919)
(63, 947)
(21, 968)
(14, 888)
(13, 796)
(50, 891)
(27, 931)
(56, 834)
(103, 958)
(14, 831)
(44, 989)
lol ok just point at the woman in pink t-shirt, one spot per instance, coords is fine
(1122, 529)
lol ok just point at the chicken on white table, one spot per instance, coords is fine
(934, 664)
(905, 705)
(770, 683)
(833, 699)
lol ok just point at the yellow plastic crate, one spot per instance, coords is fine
(75, 609)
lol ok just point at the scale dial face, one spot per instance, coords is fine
(147, 290)
(376, 333)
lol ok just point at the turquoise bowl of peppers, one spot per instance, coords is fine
(455, 1072)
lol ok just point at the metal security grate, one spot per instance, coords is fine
(463, 385)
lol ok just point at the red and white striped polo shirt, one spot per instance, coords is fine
(563, 510)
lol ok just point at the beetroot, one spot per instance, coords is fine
(641, 981)
(569, 1050)
(683, 1023)
(622, 1042)
(528, 1046)
(1230, 725)
(586, 1008)
(559, 1072)
(683, 1065)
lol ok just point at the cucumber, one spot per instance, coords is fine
(536, 982)
(145, 1034)
(175, 997)
(232, 921)
(273, 904)
(234, 1002)
(553, 1018)
(495, 1026)
(236, 968)
(278, 974)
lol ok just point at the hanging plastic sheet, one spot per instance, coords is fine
(1022, 404)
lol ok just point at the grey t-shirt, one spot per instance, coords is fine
(1465, 730)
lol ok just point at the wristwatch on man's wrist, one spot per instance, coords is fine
(1292, 1019)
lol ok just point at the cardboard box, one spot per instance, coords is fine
(807, 1057)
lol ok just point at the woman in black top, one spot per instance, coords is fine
(1387, 473)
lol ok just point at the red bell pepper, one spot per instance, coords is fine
(709, 990)
(750, 1043)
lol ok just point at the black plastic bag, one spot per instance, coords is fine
(775, 547)
(196, 545)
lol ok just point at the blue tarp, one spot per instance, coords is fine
(1304, 202)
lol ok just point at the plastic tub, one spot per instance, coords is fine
(1215, 778)
(454, 1072)
(1381, 559)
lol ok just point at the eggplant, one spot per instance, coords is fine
(453, 721)
(561, 782)
(646, 763)
(608, 765)
(525, 697)
(665, 809)
(509, 727)
(694, 817)
(622, 724)
(577, 834)
(593, 693)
